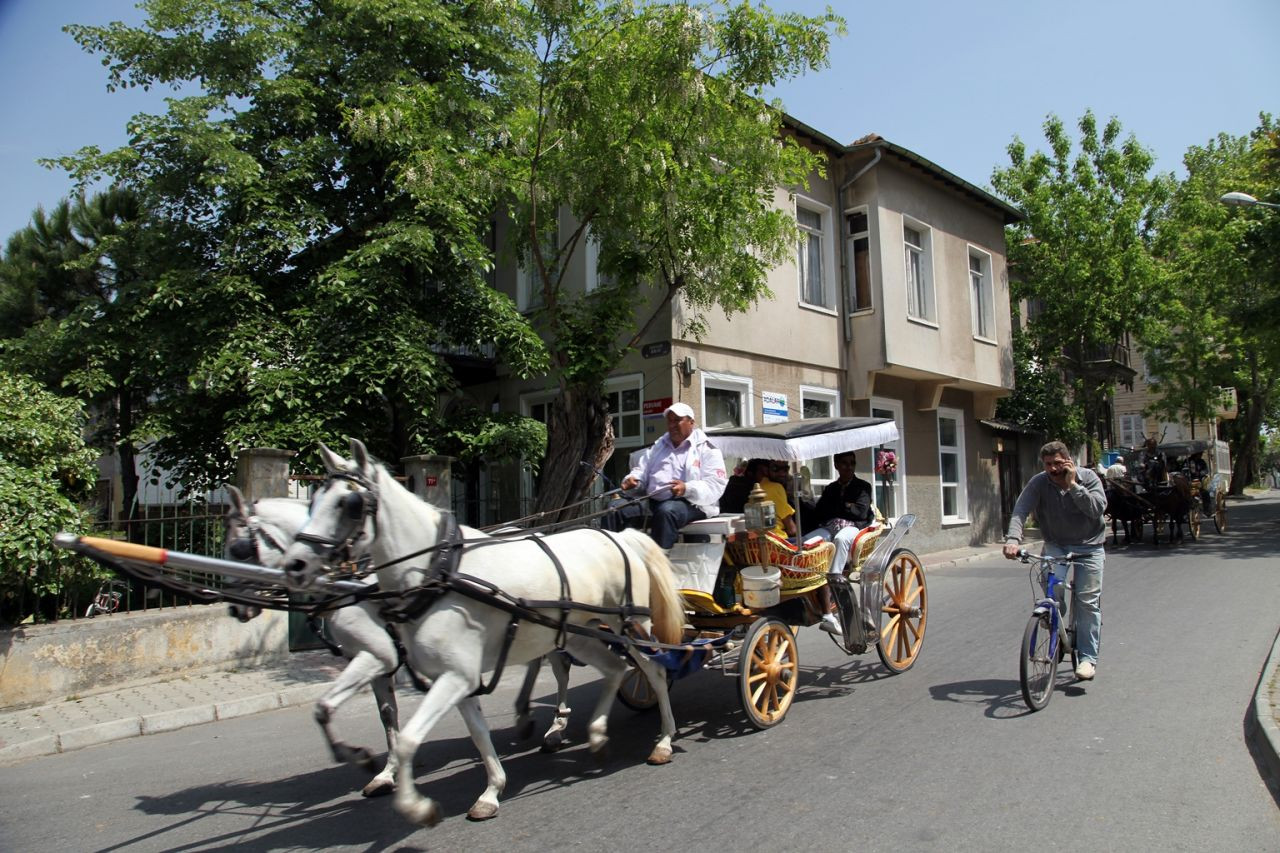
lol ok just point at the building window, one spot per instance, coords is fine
(819, 403)
(1130, 430)
(528, 282)
(951, 464)
(920, 305)
(623, 396)
(890, 496)
(726, 401)
(811, 259)
(981, 295)
(858, 244)
(594, 278)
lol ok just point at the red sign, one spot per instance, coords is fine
(653, 408)
(432, 482)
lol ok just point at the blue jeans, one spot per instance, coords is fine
(1086, 604)
(668, 516)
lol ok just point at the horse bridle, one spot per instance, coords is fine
(359, 505)
(256, 532)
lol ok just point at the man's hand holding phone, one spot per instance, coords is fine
(1064, 475)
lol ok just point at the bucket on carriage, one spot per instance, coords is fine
(761, 586)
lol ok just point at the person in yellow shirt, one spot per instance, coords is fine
(771, 474)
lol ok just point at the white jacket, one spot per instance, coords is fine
(705, 477)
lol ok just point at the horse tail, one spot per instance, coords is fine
(664, 600)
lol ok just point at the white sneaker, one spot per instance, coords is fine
(830, 624)
(1086, 670)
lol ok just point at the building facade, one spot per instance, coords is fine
(896, 304)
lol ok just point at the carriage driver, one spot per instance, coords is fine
(682, 473)
(1068, 503)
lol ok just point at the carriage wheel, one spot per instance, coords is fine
(1220, 512)
(903, 613)
(769, 671)
(636, 692)
(1157, 526)
(1193, 521)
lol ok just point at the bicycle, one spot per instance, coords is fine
(1045, 642)
(108, 598)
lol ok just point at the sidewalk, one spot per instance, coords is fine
(304, 676)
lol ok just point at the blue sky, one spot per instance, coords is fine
(952, 81)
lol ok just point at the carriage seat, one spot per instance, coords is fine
(696, 563)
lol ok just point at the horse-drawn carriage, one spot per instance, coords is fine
(746, 591)
(1167, 486)
(465, 604)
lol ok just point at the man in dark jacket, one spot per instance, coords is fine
(844, 508)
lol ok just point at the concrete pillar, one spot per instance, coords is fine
(263, 472)
(428, 477)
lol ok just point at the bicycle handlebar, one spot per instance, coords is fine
(1026, 556)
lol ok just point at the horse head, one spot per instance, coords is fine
(343, 516)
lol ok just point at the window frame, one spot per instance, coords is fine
(961, 515)
(925, 271)
(1137, 434)
(620, 384)
(527, 297)
(823, 235)
(743, 385)
(879, 407)
(985, 300)
(826, 395)
(851, 239)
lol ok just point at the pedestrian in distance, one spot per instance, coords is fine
(1068, 503)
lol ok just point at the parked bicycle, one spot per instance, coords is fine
(1050, 634)
(108, 599)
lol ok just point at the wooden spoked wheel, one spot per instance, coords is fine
(1220, 511)
(769, 671)
(904, 611)
(1193, 520)
(636, 692)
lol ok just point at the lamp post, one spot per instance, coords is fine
(1245, 200)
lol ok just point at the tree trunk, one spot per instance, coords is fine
(579, 431)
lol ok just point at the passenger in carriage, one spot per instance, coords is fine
(1196, 466)
(845, 509)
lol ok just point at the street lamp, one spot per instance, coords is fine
(1245, 200)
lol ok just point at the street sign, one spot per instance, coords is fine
(655, 349)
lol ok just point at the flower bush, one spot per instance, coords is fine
(886, 463)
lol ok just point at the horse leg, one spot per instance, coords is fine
(524, 717)
(553, 739)
(487, 806)
(363, 669)
(657, 676)
(612, 670)
(450, 689)
(384, 692)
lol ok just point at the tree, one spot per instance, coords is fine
(45, 473)
(327, 166)
(1082, 259)
(644, 121)
(78, 294)
(1224, 304)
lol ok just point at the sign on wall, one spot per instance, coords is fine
(775, 407)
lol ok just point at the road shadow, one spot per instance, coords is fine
(1000, 697)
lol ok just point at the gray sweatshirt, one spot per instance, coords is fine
(1071, 517)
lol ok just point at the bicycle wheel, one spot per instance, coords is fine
(1038, 665)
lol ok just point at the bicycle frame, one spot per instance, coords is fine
(1040, 655)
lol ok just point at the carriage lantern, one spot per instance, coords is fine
(759, 514)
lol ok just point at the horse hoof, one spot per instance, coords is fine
(378, 788)
(482, 811)
(553, 743)
(660, 755)
(425, 813)
(363, 759)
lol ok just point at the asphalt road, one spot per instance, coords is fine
(1149, 756)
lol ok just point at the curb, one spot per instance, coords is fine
(158, 723)
(1260, 725)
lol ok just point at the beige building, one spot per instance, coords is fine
(896, 304)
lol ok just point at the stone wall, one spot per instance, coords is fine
(48, 663)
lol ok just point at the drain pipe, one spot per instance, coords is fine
(846, 323)
(844, 247)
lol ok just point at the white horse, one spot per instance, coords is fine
(260, 533)
(459, 637)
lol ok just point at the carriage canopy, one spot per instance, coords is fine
(795, 441)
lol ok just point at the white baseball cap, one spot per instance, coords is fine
(680, 410)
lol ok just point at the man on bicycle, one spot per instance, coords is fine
(1068, 503)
